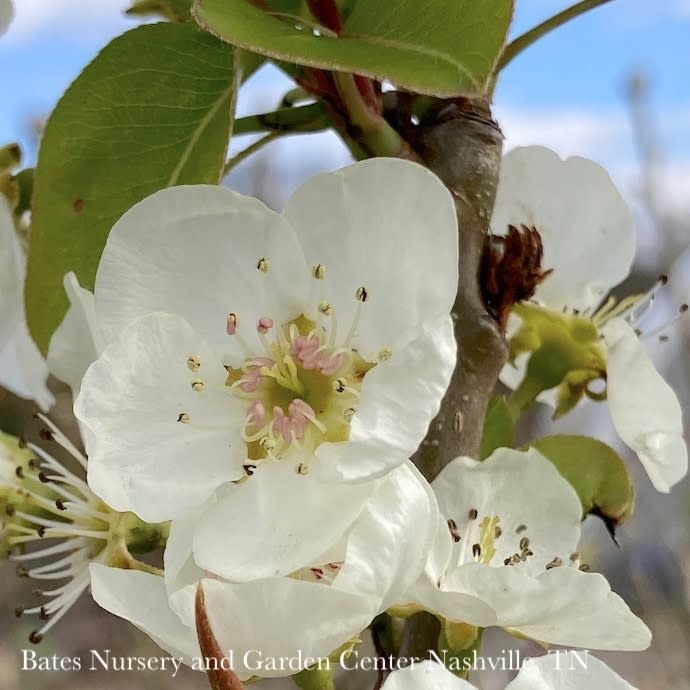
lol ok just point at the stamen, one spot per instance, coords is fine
(198, 385)
(263, 264)
(231, 324)
(318, 272)
(193, 362)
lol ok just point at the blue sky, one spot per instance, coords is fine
(566, 92)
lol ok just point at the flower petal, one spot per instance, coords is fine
(644, 408)
(399, 398)
(565, 670)
(586, 228)
(562, 606)
(282, 618)
(32, 366)
(141, 458)
(141, 598)
(526, 493)
(76, 342)
(275, 522)
(193, 251)
(427, 675)
(388, 545)
(387, 225)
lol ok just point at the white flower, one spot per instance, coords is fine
(45, 503)
(314, 611)
(589, 241)
(511, 543)
(298, 355)
(13, 328)
(6, 15)
(554, 671)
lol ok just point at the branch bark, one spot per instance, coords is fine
(462, 144)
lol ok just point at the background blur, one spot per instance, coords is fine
(611, 86)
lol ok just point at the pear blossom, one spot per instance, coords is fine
(51, 510)
(569, 338)
(13, 328)
(559, 670)
(287, 359)
(510, 541)
(319, 608)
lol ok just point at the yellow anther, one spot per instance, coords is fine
(197, 385)
(318, 271)
(263, 264)
(193, 362)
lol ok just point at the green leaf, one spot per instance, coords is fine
(596, 472)
(444, 48)
(498, 428)
(153, 109)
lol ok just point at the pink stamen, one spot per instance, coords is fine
(231, 324)
(306, 351)
(253, 378)
(264, 324)
(295, 422)
(256, 414)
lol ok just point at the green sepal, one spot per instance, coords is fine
(596, 472)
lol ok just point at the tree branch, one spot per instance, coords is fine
(462, 144)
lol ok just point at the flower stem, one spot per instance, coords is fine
(513, 49)
(252, 148)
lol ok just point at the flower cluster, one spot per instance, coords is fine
(259, 381)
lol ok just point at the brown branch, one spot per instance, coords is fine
(462, 144)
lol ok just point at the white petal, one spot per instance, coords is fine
(141, 599)
(140, 457)
(275, 522)
(32, 367)
(193, 251)
(10, 278)
(399, 398)
(6, 14)
(562, 606)
(644, 408)
(390, 226)
(569, 607)
(525, 491)
(389, 542)
(566, 670)
(425, 675)
(76, 342)
(586, 227)
(282, 618)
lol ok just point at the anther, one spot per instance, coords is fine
(349, 413)
(584, 568)
(184, 418)
(193, 362)
(302, 468)
(41, 531)
(384, 354)
(362, 294)
(453, 528)
(524, 543)
(318, 271)
(19, 471)
(497, 532)
(267, 443)
(231, 324)
(472, 514)
(520, 528)
(197, 385)
(262, 264)
(476, 550)
(683, 308)
(60, 504)
(43, 477)
(325, 308)
(663, 279)
(574, 556)
(264, 324)
(46, 434)
(554, 563)
(339, 385)
(249, 469)
(19, 612)
(22, 571)
(35, 637)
